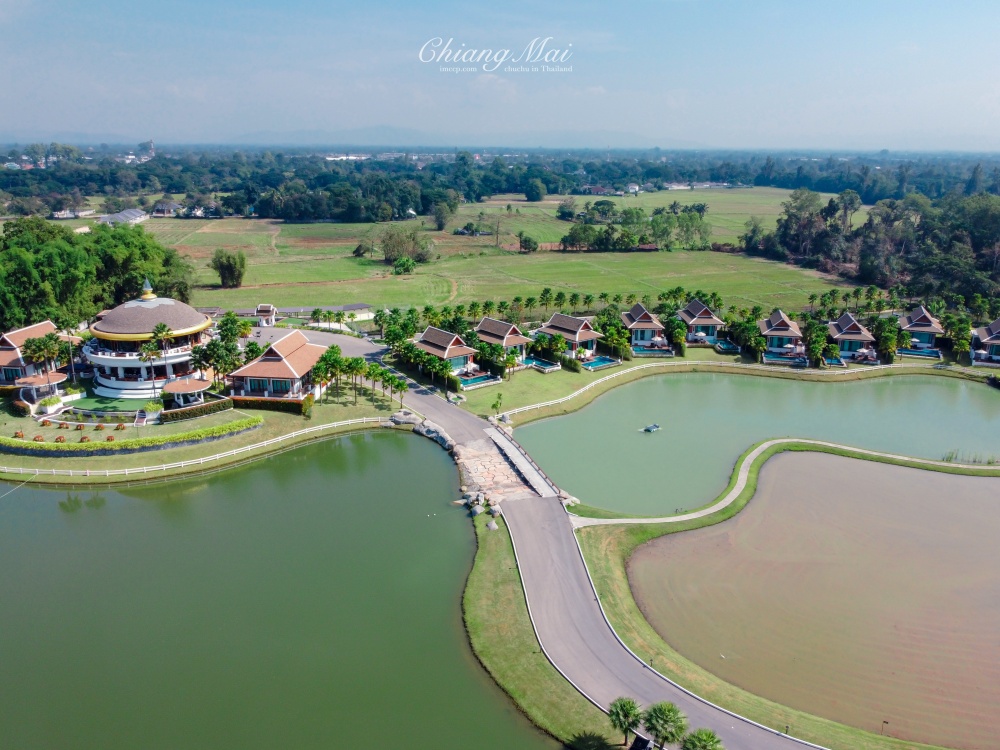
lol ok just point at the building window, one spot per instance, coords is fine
(258, 384)
(11, 373)
(281, 386)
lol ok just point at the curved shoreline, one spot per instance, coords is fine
(606, 544)
(730, 508)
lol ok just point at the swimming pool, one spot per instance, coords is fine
(541, 364)
(929, 353)
(466, 382)
(778, 359)
(598, 363)
(652, 351)
(726, 347)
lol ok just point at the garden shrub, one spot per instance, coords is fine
(20, 409)
(248, 402)
(50, 401)
(131, 446)
(570, 363)
(307, 406)
(199, 410)
(39, 439)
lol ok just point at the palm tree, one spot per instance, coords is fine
(857, 297)
(46, 349)
(429, 314)
(488, 307)
(588, 301)
(355, 368)
(161, 337)
(665, 722)
(474, 309)
(604, 297)
(559, 300)
(502, 308)
(702, 739)
(388, 380)
(148, 353)
(244, 329)
(380, 318)
(372, 373)
(199, 360)
(545, 298)
(402, 386)
(317, 315)
(337, 367)
(574, 301)
(624, 715)
(617, 299)
(338, 318)
(529, 304)
(812, 300)
(509, 363)
(630, 299)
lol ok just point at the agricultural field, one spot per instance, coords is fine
(312, 264)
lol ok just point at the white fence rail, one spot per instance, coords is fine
(730, 365)
(145, 470)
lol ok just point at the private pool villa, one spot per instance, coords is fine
(645, 332)
(784, 339)
(702, 324)
(580, 336)
(986, 345)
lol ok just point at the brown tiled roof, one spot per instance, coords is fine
(443, 344)
(9, 357)
(847, 328)
(41, 378)
(920, 321)
(500, 332)
(639, 317)
(187, 385)
(697, 313)
(19, 336)
(570, 328)
(990, 334)
(291, 356)
(779, 324)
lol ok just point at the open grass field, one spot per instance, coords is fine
(312, 264)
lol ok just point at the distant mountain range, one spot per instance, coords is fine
(378, 136)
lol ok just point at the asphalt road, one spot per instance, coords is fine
(564, 608)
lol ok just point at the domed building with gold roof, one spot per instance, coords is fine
(119, 334)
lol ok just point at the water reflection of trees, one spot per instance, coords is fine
(75, 502)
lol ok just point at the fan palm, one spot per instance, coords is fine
(702, 739)
(665, 722)
(625, 715)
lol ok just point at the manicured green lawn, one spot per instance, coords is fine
(496, 619)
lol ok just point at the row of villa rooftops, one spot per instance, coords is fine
(578, 330)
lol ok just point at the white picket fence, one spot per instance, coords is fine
(731, 365)
(141, 470)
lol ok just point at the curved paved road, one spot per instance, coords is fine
(565, 611)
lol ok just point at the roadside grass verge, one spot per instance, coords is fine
(607, 550)
(496, 619)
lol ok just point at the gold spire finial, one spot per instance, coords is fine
(147, 291)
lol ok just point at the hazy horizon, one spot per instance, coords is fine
(677, 74)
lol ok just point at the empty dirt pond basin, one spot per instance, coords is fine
(856, 591)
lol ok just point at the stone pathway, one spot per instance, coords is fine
(524, 465)
(485, 469)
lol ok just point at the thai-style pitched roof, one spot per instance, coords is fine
(989, 334)
(847, 328)
(640, 318)
(779, 324)
(16, 338)
(697, 313)
(291, 357)
(572, 329)
(443, 344)
(500, 332)
(920, 321)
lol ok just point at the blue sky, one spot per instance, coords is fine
(674, 73)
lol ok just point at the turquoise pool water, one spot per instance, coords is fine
(477, 379)
(601, 361)
(652, 350)
(929, 353)
(535, 361)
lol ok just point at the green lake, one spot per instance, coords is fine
(601, 455)
(309, 600)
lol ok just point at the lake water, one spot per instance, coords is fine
(310, 600)
(601, 455)
(873, 603)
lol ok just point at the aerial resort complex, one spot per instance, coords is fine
(530, 383)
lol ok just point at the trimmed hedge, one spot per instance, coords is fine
(267, 404)
(198, 410)
(138, 445)
(570, 363)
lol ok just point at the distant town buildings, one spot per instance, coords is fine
(130, 216)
